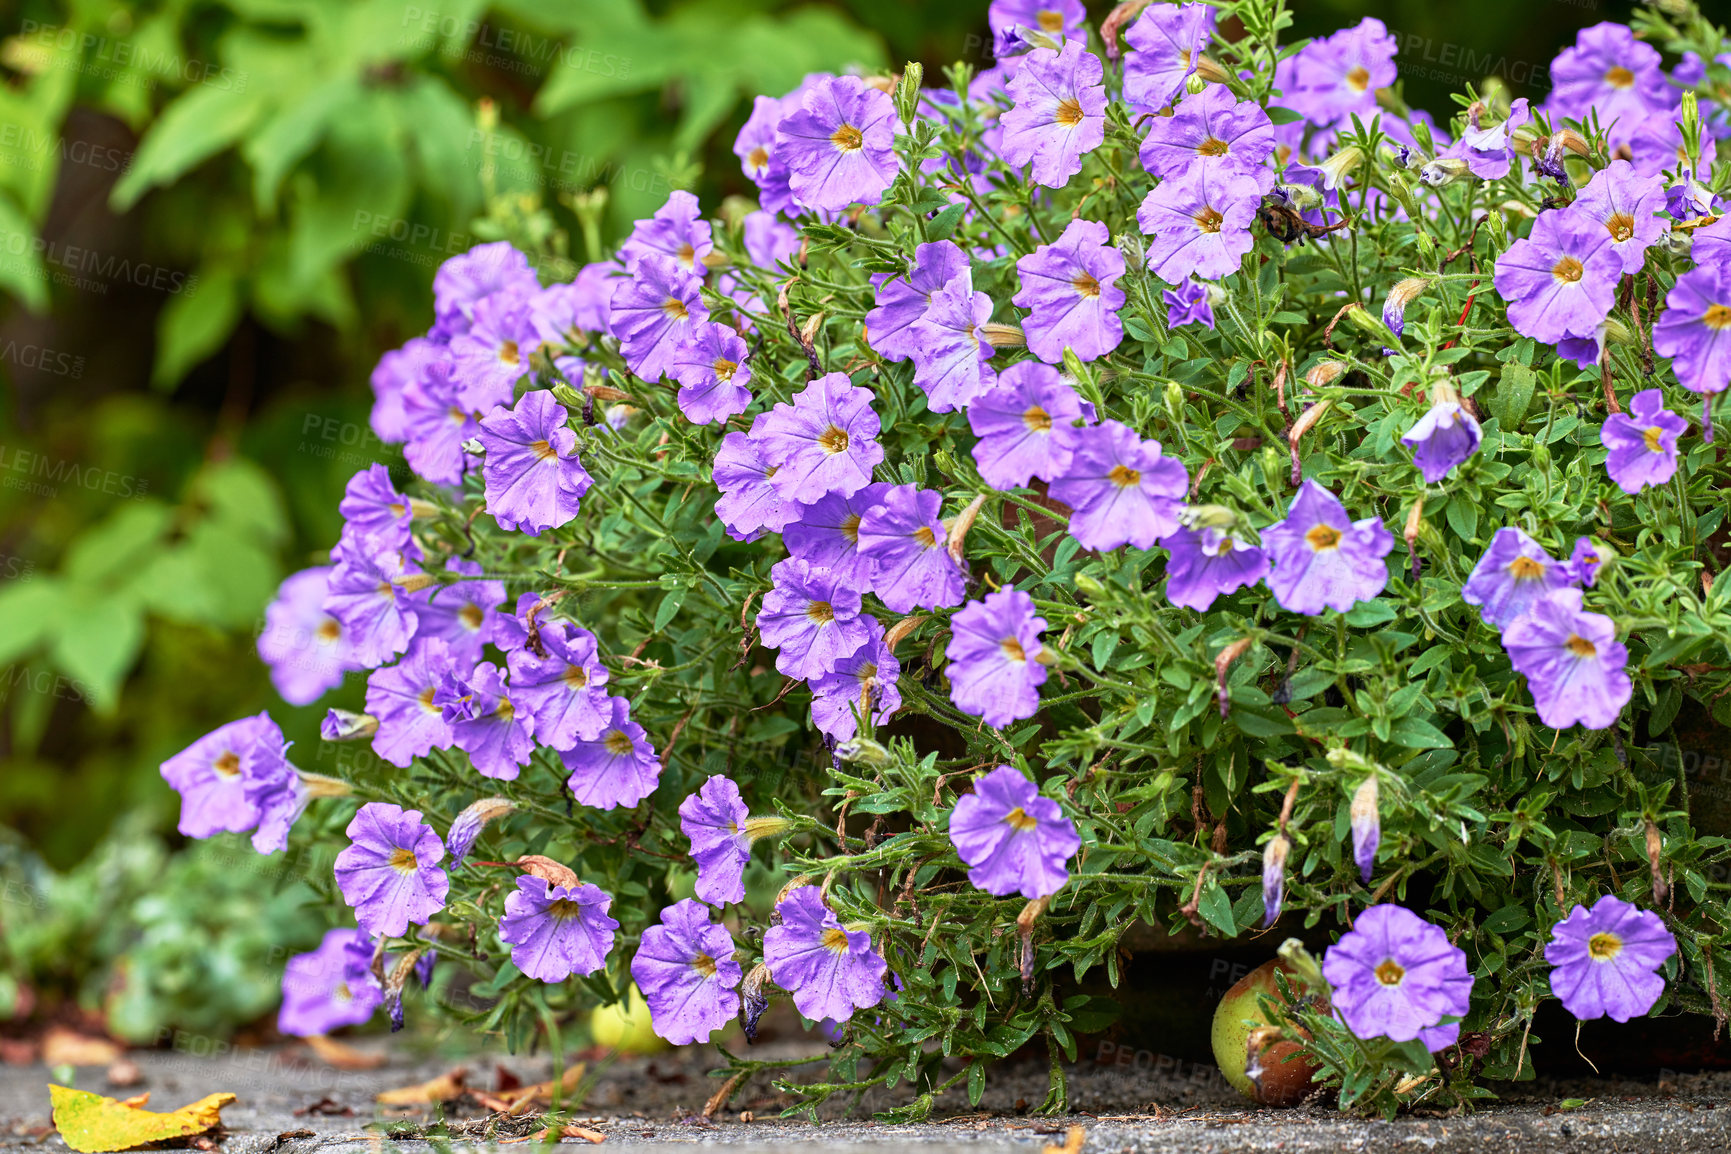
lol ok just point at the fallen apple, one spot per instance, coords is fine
(625, 1026)
(1252, 1051)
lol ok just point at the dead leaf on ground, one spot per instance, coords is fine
(63, 1047)
(1072, 1142)
(550, 1134)
(520, 1100)
(327, 1106)
(92, 1124)
(445, 1088)
(344, 1056)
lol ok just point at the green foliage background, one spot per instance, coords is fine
(214, 215)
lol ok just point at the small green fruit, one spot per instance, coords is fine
(1239, 1022)
(626, 1026)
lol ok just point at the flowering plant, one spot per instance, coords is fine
(1160, 478)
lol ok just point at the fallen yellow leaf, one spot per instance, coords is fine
(92, 1124)
(342, 1055)
(444, 1088)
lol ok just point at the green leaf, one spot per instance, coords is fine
(943, 225)
(198, 125)
(22, 273)
(1216, 909)
(1514, 393)
(668, 609)
(98, 639)
(194, 324)
(30, 610)
(242, 499)
(286, 138)
(1367, 613)
(1283, 115)
(1414, 733)
(118, 545)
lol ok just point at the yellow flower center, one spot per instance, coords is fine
(1069, 112)
(704, 965)
(1323, 538)
(504, 711)
(1654, 437)
(1050, 20)
(675, 309)
(471, 616)
(1390, 972)
(618, 743)
(425, 698)
(835, 940)
(687, 255)
(1359, 78)
(1602, 947)
(564, 909)
(821, 612)
(1208, 220)
(757, 157)
(1580, 646)
(847, 138)
(1526, 569)
(543, 450)
(575, 676)
(1124, 476)
(330, 630)
(403, 861)
(1086, 285)
(926, 537)
(724, 368)
(1213, 146)
(850, 527)
(833, 440)
(508, 353)
(1018, 820)
(1568, 270)
(228, 765)
(1013, 649)
(1037, 420)
(1717, 317)
(1619, 77)
(1620, 225)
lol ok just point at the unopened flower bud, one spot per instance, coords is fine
(1402, 193)
(908, 91)
(753, 999)
(1443, 171)
(567, 396)
(1369, 324)
(467, 826)
(758, 828)
(1324, 373)
(864, 751)
(1399, 297)
(318, 785)
(1211, 70)
(1274, 876)
(1366, 826)
(344, 725)
(1174, 397)
(1299, 197)
(1087, 585)
(1341, 165)
(1002, 336)
(1220, 517)
(1195, 84)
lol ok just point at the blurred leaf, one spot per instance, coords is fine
(198, 125)
(195, 323)
(98, 639)
(118, 545)
(22, 271)
(29, 611)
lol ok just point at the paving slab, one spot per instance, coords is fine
(290, 1102)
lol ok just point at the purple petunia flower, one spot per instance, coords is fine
(304, 646)
(1056, 18)
(1574, 665)
(1012, 839)
(676, 231)
(1200, 223)
(712, 374)
(812, 617)
(1321, 558)
(1166, 45)
(437, 425)
(653, 310)
(1610, 74)
(1059, 114)
(389, 874)
(489, 359)
(534, 481)
(714, 818)
(411, 723)
(469, 278)
(830, 970)
(1695, 328)
(1070, 289)
(485, 722)
(995, 665)
(1583, 564)
(616, 768)
(1207, 563)
(686, 970)
(372, 507)
(565, 690)
(1444, 437)
(1395, 975)
(1122, 489)
(1514, 572)
(904, 540)
(1212, 130)
(464, 614)
(1489, 151)
(862, 684)
(276, 788)
(1339, 76)
(769, 240)
(1642, 443)
(1366, 818)
(1026, 426)
(1627, 207)
(1605, 960)
(212, 775)
(750, 504)
(1560, 281)
(557, 931)
(390, 377)
(827, 535)
(377, 617)
(952, 362)
(1274, 856)
(896, 327)
(329, 988)
(824, 442)
(1188, 304)
(839, 147)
